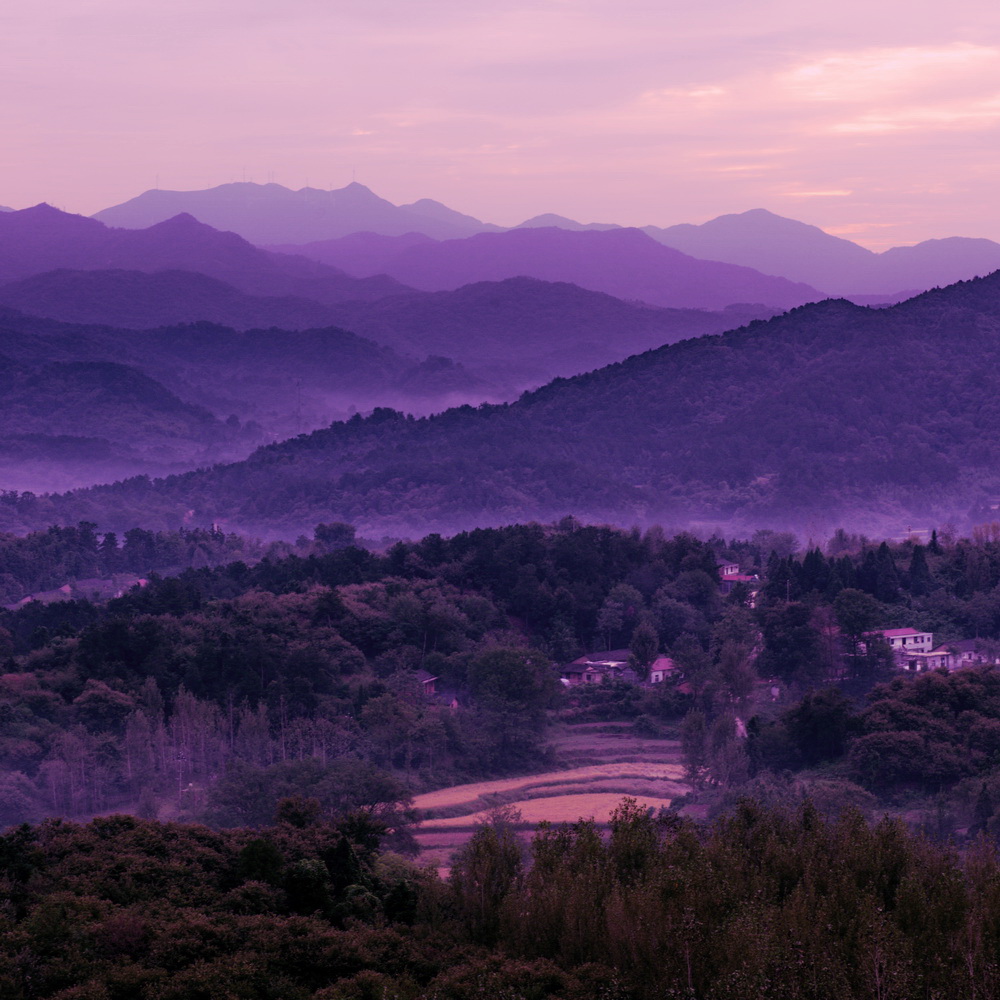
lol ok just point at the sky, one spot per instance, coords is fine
(876, 120)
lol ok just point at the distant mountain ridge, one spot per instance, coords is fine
(625, 263)
(814, 419)
(528, 325)
(141, 300)
(271, 213)
(42, 238)
(776, 245)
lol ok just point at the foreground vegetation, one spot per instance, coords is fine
(765, 903)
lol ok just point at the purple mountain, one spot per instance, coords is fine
(42, 239)
(270, 213)
(549, 219)
(360, 254)
(625, 263)
(523, 332)
(774, 245)
(800, 252)
(139, 300)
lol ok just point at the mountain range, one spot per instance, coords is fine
(776, 246)
(625, 263)
(270, 213)
(805, 253)
(40, 239)
(524, 331)
(831, 414)
(514, 335)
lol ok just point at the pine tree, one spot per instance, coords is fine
(920, 573)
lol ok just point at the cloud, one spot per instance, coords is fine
(892, 73)
(972, 115)
(836, 193)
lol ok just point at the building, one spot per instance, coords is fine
(595, 668)
(908, 640)
(660, 669)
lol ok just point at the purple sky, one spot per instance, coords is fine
(877, 120)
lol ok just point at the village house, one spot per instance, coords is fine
(730, 576)
(596, 668)
(915, 651)
(908, 640)
(661, 668)
(427, 682)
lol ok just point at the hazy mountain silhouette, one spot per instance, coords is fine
(65, 424)
(830, 414)
(141, 300)
(549, 220)
(775, 245)
(40, 239)
(284, 381)
(938, 262)
(271, 213)
(91, 397)
(359, 254)
(625, 263)
(515, 334)
(527, 331)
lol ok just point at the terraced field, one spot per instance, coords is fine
(602, 763)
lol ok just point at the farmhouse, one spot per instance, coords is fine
(915, 651)
(908, 640)
(595, 668)
(660, 669)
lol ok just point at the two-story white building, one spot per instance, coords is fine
(908, 640)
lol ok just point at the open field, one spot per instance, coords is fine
(603, 763)
(462, 799)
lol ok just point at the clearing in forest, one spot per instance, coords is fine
(611, 762)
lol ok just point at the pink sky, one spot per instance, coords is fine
(877, 120)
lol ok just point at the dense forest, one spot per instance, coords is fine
(799, 420)
(775, 904)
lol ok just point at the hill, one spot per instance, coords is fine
(549, 219)
(359, 254)
(67, 423)
(526, 331)
(625, 263)
(511, 335)
(831, 414)
(284, 381)
(794, 250)
(140, 300)
(271, 213)
(40, 239)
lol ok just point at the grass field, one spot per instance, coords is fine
(610, 762)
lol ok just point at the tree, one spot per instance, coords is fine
(517, 677)
(791, 643)
(643, 649)
(858, 614)
(820, 724)
(694, 747)
(486, 870)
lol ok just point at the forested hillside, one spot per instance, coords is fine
(831, 414)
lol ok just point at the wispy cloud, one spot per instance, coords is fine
(888, 74)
